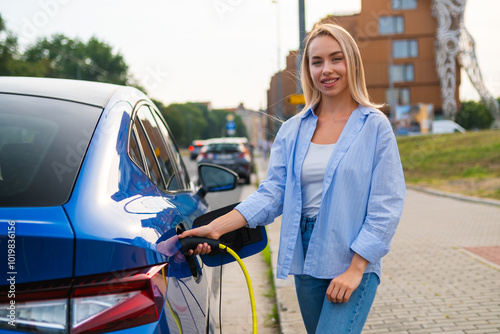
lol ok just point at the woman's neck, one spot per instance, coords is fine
(335, 106)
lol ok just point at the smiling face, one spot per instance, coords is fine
(328, 69)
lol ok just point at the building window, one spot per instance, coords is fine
(407, 48)
(404, 4)
(401, 96)
(390, 25)
(401, 72)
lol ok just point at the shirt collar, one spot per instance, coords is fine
(308, 112)
(363, 109)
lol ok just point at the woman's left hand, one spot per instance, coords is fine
(342, 287)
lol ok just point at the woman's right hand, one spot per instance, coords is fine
(231, 221)
(204, 232)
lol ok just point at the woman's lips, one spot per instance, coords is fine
(330, 82)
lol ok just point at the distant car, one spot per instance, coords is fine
(91, 182)
(194, 148)
(437, 127)
(230, 153)
(446, 126)
(249, 147)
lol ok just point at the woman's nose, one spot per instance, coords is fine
(327, 69)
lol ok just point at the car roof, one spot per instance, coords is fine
(87, 92)
(227, 140)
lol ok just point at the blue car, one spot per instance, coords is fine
(93, 192)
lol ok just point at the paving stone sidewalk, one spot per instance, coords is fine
(432, 282)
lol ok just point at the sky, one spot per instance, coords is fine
(219, 51)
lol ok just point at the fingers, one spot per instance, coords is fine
(189, 233)
(342, 287)
(202, 231)
(201, 249)
(336, 293)
(339, 292)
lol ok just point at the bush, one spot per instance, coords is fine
(474, 115)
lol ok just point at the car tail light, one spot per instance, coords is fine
(94, 304)
(191, 148)
(40, 307)
(245, 155)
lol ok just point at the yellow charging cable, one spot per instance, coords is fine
(174, 314)
(249, 284)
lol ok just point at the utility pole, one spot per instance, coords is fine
(302, 37)
(280, 85)
(302, 23)
(391, 86)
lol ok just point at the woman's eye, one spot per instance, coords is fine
(337, 59)
(314, 63)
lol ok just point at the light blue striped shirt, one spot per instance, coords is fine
(362, 200)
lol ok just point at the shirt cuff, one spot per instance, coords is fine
(369, 246)
(246, 212)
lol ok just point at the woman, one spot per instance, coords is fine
(335, 176)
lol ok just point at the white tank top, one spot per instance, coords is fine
(313, 174)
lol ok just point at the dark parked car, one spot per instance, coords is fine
(92, 188)
(228, 152)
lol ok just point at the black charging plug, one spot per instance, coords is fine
(193, 242)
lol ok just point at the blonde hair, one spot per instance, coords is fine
(355, 71)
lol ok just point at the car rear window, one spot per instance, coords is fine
(42, 144)
(226, 148)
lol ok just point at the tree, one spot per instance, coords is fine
(186, 121)
(63, 57)
(474, 115)
(190, 121)
(9, 63)
(217, 120)
(241, 129)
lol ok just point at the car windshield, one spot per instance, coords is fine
(42, 144)
(224, 147)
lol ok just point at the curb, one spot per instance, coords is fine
(454, 195)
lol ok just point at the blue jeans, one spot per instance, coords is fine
(321, 316)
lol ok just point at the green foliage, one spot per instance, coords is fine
(62, 57)
(185, 121)
(273, 318)
(8, 51)
(474, 115)
(476, 171)
(191, 121)
(218, 119)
